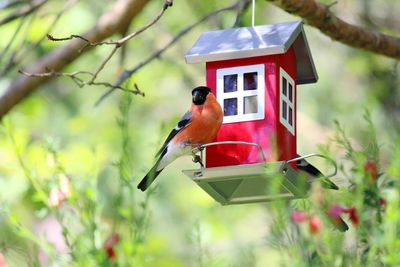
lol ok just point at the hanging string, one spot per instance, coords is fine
(252, 12)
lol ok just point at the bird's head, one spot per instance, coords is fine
(199, 95)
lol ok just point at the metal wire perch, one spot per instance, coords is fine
(200, 148)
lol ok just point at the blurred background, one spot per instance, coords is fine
(57, 138)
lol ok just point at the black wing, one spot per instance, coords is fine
(304, 165)
(184, 121)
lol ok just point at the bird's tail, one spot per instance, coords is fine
(304, 165)
(149, 178)
(340, 224)
(328, 184)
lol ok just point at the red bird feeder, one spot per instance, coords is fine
(254, 73)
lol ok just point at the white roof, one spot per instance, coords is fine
(256, 41)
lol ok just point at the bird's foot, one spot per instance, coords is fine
(197, 159)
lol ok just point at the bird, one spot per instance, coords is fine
(304, 166)
(198, 126)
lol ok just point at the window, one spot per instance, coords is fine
(240, 91)
(287, 98)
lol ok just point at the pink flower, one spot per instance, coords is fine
(111, 253)
(371, 170)
(299, 216)
(315, 224)
(2, 261)
(335, 211)
(56, 198)
(59, 194)
(353, 215)
(65, 186)
(109, 244)
(382, 202)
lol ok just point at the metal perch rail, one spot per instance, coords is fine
(200, 148)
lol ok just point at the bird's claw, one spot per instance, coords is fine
(197, 159)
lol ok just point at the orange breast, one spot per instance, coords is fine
(206, 121)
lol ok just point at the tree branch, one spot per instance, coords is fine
(119, 42)
(24, 11)
(19, 54)
(11, 4)
(243, 5)
(74, 76)
(110, 23)
(12, 39)
(129, 72)
(320, 17)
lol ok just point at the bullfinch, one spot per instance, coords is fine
(198, 126)
(305, 166)
(311, 170)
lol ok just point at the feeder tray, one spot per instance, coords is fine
(250, 183)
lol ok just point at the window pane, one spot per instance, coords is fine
(284, 110)
(290, 116)
(284, 86)
(290, 92)
(230, 83)
(250, 104)
(230, 106)
(250, 81)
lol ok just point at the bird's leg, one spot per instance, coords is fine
(197, 158)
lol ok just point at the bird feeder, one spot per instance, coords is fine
(254, 73)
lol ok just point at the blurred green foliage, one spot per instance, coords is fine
(69, 170)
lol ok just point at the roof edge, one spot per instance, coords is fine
(293, 36)
(192, 59)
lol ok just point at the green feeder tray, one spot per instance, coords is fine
(251, 183)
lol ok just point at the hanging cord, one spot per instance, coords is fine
(253, 12)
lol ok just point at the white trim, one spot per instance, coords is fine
(285, 98)
(241, 93)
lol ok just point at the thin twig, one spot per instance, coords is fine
(103, 64)
(20, 54)
(67, 5)
(24, 11)
(52, 38)
(73, 75)
(240, 11)
(332, 4)
(79, 81)
(11, 4)
(117, 44)
(12, 39)
(111, 22)
(12, 58)
(120, 42)
(137, 91)
(76, 36)
(128, 73)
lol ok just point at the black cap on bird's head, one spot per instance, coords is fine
(199, 94)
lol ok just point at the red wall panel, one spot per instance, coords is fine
(262, 132)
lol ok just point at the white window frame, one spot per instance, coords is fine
(289, 104)
(241, 93)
